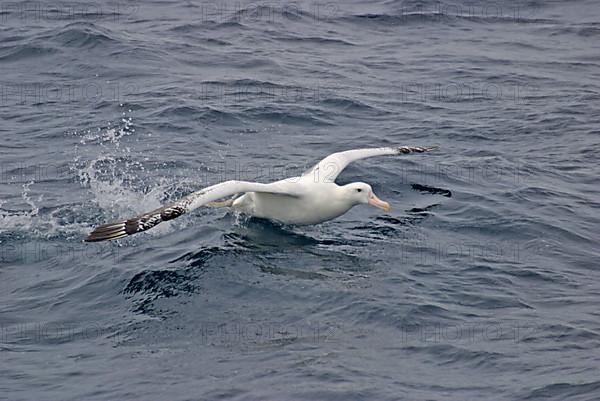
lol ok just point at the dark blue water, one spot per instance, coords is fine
(482, 283)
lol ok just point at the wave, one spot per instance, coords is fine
(25, 51)
(149, 285)
(565, 391)
(419, 18)
(83, 35)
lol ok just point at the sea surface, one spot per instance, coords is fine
(482, 283)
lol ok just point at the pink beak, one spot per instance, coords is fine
(375, 201)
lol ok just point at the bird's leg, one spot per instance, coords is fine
(225, 203)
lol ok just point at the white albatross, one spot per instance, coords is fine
(311, 198)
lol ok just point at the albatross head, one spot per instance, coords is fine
(359, 192)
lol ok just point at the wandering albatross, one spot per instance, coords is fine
(311, 198)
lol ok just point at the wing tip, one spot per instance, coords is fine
(107, 232)
(120, 229)
(415, 149)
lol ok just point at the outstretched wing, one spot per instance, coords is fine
(194, 200)
(330, 167)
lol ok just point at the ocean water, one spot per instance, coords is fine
(481, 283)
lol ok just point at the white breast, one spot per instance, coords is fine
(319, 203)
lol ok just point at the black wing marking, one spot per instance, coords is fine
(148, 220)
(142, 222)
(414, 149)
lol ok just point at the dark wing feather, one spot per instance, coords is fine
(136, 224)
(148, 220)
